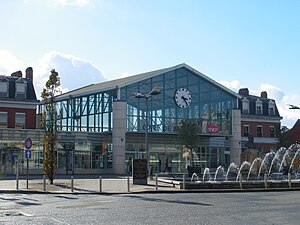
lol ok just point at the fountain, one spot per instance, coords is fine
(220, 169)
(196, 176)
(244, 164)
(255, 161)
(276, 167)
(233, 168)
(284, 160)
(266, 161)
(292, 169)
(278, 156)
(206, 172)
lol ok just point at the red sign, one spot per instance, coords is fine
(212, 129)
(28, 143)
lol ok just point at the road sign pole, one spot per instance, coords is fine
(27, 174)
(28, 145)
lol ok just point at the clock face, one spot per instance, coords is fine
(183, 98)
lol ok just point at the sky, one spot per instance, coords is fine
(250, 44)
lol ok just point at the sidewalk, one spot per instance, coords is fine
(81, 185)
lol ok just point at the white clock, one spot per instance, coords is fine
(183, 98)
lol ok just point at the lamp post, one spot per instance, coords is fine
(154, 91)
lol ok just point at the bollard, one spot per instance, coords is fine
(44, 178)
(156, 182)
(100, 184)
(128, 184)
(17, 176)
(72, 184)
(183, 182)
(289, 180)
(266, 180)
(241, 181)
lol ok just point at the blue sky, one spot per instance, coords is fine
(253, 44)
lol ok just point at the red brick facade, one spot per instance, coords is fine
(259, 119)
(30, 117)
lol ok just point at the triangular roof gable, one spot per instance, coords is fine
(122, 82)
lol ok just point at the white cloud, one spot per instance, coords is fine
(9, 63)
(77, 3)
(234, 85)
(74, 72)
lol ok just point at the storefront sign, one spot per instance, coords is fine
(212, 129)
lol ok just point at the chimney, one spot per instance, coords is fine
(29, 73)
(244, 91)
(264, 94)
(17, 74)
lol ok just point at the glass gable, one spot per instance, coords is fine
(210, 107)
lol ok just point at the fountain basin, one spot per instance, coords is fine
(272, 184)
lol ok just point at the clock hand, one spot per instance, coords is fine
(185, 100)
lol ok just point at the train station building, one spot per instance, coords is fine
(104, 125)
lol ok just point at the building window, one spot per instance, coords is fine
(20, 120)
(245, 106)
(272, 131)
(246, 130)
(3, 87)
(3, 119)
(259, 131)
(21, 88)
(258, 106)
(271, 108)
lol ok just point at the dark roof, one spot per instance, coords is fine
(12, 80)
(252, 104)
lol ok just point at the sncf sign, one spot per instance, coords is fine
(212, 129)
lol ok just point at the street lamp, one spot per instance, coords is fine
(154, 91)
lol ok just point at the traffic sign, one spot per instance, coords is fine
(28, 154)
(28, 143)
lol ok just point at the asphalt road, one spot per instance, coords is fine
(278, 208)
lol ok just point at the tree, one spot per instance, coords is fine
(281, 134)
(48, 122)
(188, 134)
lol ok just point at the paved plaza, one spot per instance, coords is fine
(81, 184)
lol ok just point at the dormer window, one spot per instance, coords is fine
(271, 108)
(245, 105)
(21, 85)
(259, 106)
(3, 87)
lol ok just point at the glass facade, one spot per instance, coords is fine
(92, 114)
(210, 108)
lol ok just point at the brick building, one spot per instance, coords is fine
(18, 101)
(259, 120)
(18, 105)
